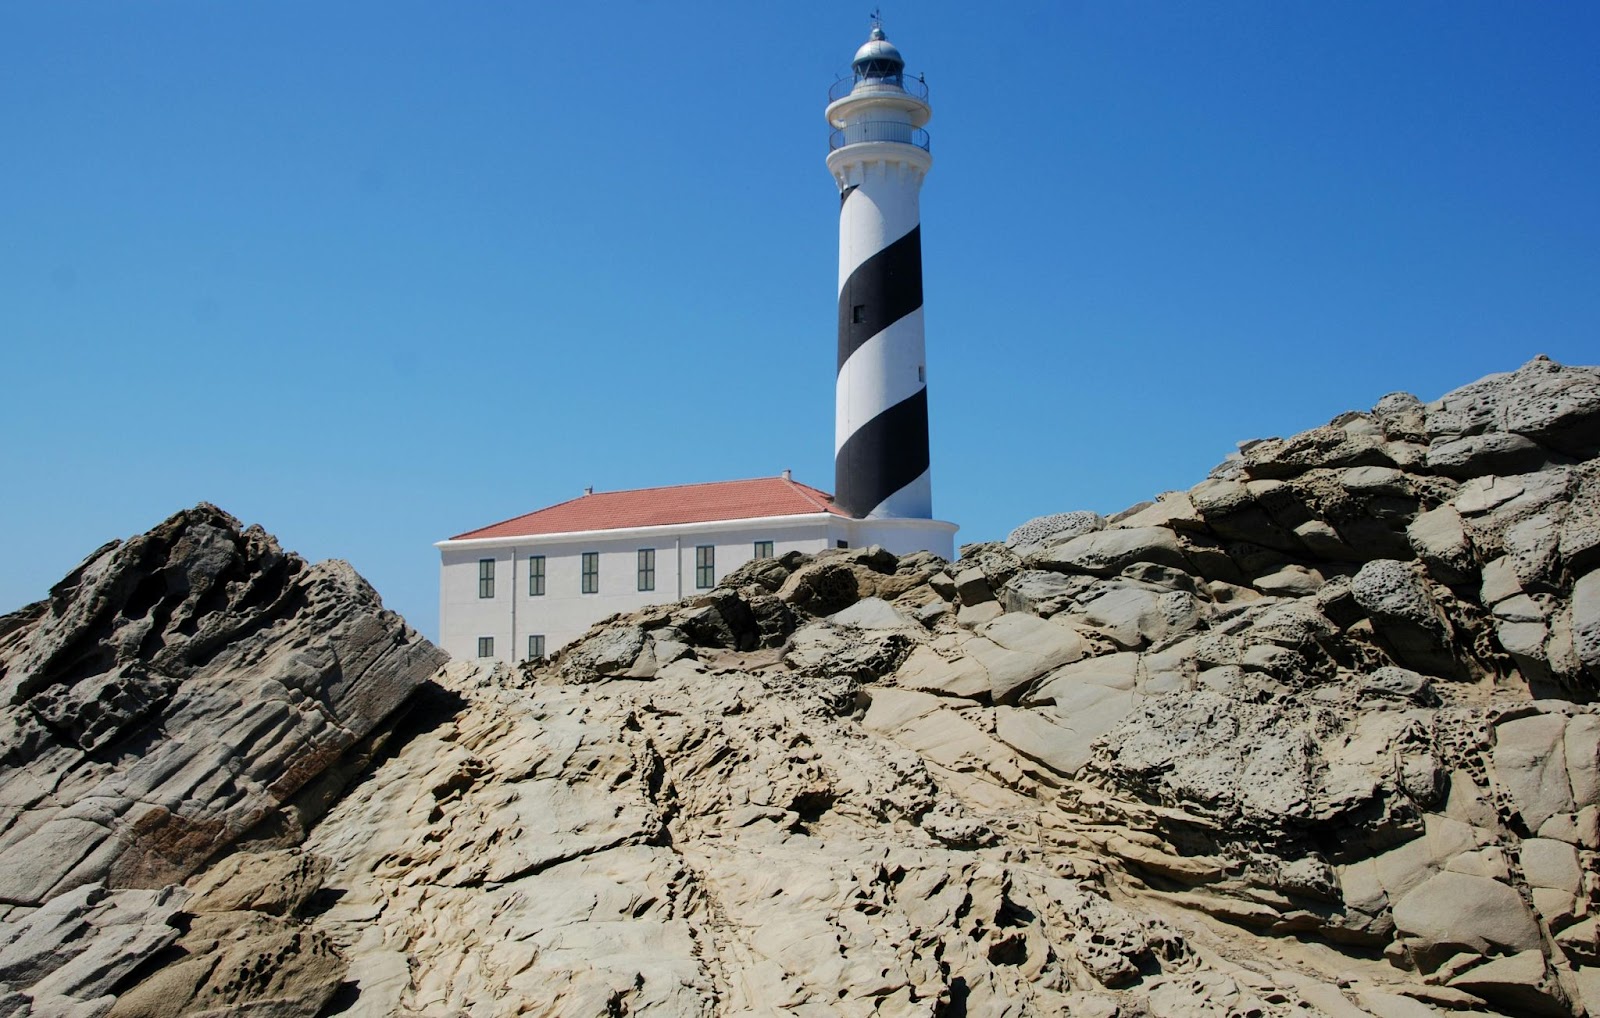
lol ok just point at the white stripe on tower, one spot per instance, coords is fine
(879, 156)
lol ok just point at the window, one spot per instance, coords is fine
(841, 544)
(647, 569)
(763, 549)
(591, 572)
(535, 648)
(705, 566)
(486, 577)
(858, 314)
(536, 576)
(922, 372)
(486, 646)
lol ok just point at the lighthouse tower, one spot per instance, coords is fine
(878, 155)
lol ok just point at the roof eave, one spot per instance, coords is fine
(702, 526)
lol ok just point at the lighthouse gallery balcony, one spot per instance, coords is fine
(914, 87)
(878, 130)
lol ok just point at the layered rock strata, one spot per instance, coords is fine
(1315, 737)
(185, 692)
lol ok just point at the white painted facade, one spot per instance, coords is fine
(511, 614)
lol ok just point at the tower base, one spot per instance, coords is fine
(904, 536)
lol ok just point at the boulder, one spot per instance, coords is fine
(1554, 405)
(1581, 742)
(1017, 649)
(1552, 864)
(1290, 581)
(1520, 984)
(1040, 592)
(1171, 509)
(829, 583)
(1352, 441)
(1530, 764)
(1108, 552)
(1451, 912)
(1440, 541)
(1478, 455)
(1403, 611)
(1586, 622)
(1231, 511)
(611, 651)
(872, 613)
(1579, 543)
(1134, 615)
(1398, 683)
(1034, 534)
(925, 669)
(972, 587)
(1531, 543)
(862, 654)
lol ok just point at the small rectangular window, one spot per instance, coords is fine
(486, 646)
(647, 569)
(486, 577)
(763, 549)
(536, 576)
(922, 372)
(841, 544)
(535, 648)
(858, 314)
(591, 572)
(705, 566)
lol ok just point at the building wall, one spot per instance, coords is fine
(903, 536)
(563, 612)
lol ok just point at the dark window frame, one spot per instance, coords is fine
(535, 646)
(485, 578)
(535, 575)
(647, 569)
(590, 583)
(764, 546)
(486, 646)
(705, 566)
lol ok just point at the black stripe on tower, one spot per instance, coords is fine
(881, 291)
(882, 456)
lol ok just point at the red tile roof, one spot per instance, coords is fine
(653, 507)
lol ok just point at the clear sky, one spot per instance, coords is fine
(372, 274)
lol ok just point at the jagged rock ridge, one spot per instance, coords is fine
(179, 693)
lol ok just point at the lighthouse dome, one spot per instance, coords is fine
(878, 57)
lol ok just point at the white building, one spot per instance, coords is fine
(526, 586)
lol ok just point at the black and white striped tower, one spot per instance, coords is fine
(878, 154)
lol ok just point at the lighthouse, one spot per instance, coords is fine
(878, 154)
(521, 588)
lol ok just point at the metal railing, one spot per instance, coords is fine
(914, 87)
(879, 130)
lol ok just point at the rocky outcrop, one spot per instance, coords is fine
(1315, 737)
(184, 692)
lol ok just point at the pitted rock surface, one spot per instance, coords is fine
(1315, 738)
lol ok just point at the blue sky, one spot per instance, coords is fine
(371, 274)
